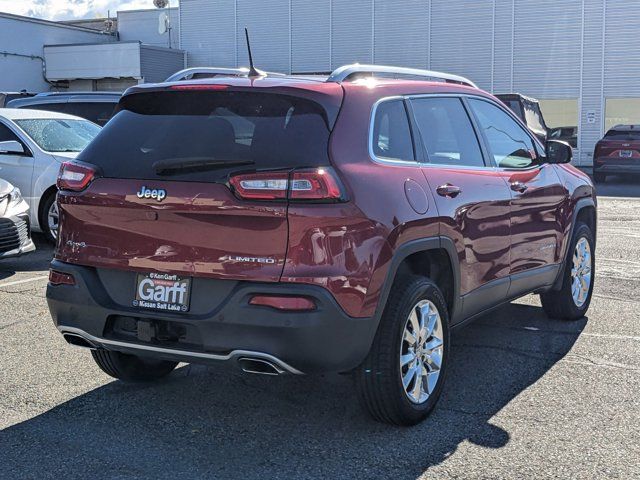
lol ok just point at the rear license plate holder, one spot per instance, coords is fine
(162, 291)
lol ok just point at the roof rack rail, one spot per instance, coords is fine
(210, 72)
(341, 74)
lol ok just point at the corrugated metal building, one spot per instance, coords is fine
(581, 58)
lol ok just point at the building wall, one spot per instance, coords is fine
(572, 54)
(157, 63)
(20, 35)
(93, 61)
(142, 26)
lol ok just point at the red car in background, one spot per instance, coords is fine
(617, 153)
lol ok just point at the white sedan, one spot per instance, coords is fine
(33, 144)
(15, 238)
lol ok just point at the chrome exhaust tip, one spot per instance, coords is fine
(259, 366)
(78, 341)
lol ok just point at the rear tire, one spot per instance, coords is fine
(49, 217)
(600, 177)
(131, 368)
(572, 301)
(392, 358)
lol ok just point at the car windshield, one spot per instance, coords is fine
(59, 135)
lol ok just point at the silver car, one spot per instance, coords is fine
(15, 235)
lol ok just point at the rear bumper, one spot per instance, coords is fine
(322, 340)
(608, 166)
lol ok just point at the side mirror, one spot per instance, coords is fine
(11, 147)
(559, 152)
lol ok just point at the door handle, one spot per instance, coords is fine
(519, 187)
(448, 190)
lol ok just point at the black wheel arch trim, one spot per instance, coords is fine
(422, 245)
(581, 204)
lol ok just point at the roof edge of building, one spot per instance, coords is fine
(51, 23)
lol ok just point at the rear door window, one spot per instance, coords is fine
(391, 132)
(447, 132)
(203, 136)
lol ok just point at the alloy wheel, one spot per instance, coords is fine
(52, 219)
(581, 272)
(421, 351)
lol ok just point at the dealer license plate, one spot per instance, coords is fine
(162, 291)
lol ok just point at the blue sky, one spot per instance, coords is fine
(72, 9)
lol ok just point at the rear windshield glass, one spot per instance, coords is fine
(623, 135)
(202, 136)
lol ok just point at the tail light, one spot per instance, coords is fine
(261, 186)
(75, 176)
(597, 150)
(317, 184)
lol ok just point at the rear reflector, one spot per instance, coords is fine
(317, 184)
(59, 278)
(74, 176)
(284, 303)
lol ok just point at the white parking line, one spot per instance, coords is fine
(616, 337)
(26, 280)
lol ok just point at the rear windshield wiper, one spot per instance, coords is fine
(171, 166)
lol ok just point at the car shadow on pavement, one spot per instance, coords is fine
(213, 422)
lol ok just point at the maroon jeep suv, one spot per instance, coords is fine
(299, 225)
(617, 153)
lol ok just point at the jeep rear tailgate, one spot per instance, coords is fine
(164, 198)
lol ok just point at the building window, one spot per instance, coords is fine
(561, 117)
(621, 111)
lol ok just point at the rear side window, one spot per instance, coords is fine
(447, 133)
(508, 142)
(206, 135)
(97, 112)
(391, 132)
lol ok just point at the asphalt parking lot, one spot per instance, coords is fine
(526, 397)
